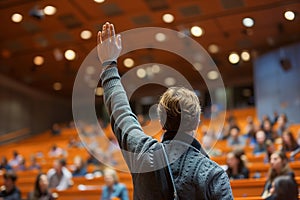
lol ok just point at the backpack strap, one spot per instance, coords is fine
(170, 171)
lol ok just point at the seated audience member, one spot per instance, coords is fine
(270, 149)
(264, 118)
(10, 191)
(112, 188)
(282, 124)
(268, 129)
(284, 187)
(279, 166)
(41, 190)
(34, 165)
(236, 165)
(74, 143)
(59, 176)
(275, 117)
(231, 122)
(55, 129)
(4, 164)
(16, 160)
(260, 145)
(250, 130)
(289, 142)
(79, 167)
(234, 139)
(22, 165)
(55, 151)
(208, 142)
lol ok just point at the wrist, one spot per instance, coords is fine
(108, 63)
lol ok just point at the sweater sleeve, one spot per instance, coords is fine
(220, 186)
(131, 138)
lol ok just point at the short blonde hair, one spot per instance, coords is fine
(179, 108)
(112, 173)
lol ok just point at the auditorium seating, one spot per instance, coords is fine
(90, 188)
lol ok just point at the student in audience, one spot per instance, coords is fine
(289, 142)
(59, 176)
(278, 167)
(41, 190)
(230, 123)
(260, 145)
(22, 165)
(270, 149)
(250, 130)
(268, 129)
(235, 140)
(236, 165)
(34, 165)
(113, 188)
(284, 188)
(281, 124)
(195, 175)
(55, 129)
(10, 191)
(79, 166)
(4, 164)
(16, 159)
(55, 151)
(208, 141)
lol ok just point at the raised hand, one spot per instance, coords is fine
(108, 44)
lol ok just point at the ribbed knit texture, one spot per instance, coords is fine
(196, 176)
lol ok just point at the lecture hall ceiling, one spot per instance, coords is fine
(50, 36)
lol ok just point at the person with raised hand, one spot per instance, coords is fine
(190, 174)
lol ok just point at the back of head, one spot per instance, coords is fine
(10, 175)
(285, 188)
(179, 108)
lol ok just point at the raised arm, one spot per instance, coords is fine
(124, 123)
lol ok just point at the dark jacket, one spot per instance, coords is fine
(14, 194)
(195, 175)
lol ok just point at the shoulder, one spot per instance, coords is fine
(121, 186)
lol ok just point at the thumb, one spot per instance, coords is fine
(119, 41)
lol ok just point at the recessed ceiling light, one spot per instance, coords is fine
(198, 66)
(86, 34)
(197, 31)
(16, 17)
(289, 15)
(128, 62)
(168, 18)
(38, 60)
(141, 73)
(213, 75)
(248, 22)
(57, 86)
(160, 37)
(155, 69)
(49, 10)
(70, 54)
(234, 58)
(245, 55)
(99, 91)
(213, 48)
(99, 1)
(170, 81)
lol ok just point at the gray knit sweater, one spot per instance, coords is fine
(195, 175)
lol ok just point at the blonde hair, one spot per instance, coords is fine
(178, 105)
(112, 173)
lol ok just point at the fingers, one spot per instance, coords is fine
(119, 41)
(112, 30)
(108, 32)
(99, 38)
